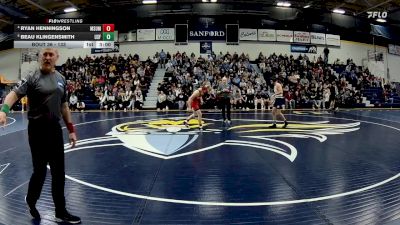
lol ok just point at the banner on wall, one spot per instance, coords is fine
(394, 49)
(301, 37)
(146, 34)
(266, 35)
(165, 34)
(246, 34)
(284, 35)
(332, 39)
(303, 48)
(211, 33)
(205, 47)
(105, 50)
(127, 37)
(317, 38)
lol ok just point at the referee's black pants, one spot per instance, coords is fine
(47, 147)
(226, 103)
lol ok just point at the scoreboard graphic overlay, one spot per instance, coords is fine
(64, 33)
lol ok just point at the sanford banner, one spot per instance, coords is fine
(210, 33)
(303, 48)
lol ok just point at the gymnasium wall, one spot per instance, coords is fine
(10, 61)
(354, 50)
(394, 67)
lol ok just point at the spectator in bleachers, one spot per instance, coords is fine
(155, 59)
(265, 98)
(111, 101)
(120, 99)
(138, 100)
(73, 100)
(326, 96)
(163, 58)
(80, 106)
(161, 101)
(250, 97)
(290, 102)
(181, 98)
(127, 98)
(171, 100)
(102, 99)
(332, 98)
(237, 99)
(210, 100)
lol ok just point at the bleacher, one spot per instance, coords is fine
(338, 68)
(87, 92)
(90, 102)
(375, 96)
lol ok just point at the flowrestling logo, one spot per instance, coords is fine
(377, 15)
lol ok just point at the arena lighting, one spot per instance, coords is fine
(307, 6)
(284, 4)
(70, 9)
(381, 20)
(340, 11)
(204, 0)
(213, 0)
(149, 1)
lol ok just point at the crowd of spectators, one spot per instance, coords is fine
(307, 83)
(121, 82)
(118, 82)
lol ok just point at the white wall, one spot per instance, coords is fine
(28, 67)
(394, 67)
(354, 50)
(10, 61)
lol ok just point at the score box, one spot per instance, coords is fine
(108, 27)
(108, 36)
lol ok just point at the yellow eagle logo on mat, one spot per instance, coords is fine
(167, 125)
(163, 138)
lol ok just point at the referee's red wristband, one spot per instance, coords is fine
(70, 128)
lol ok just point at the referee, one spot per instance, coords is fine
(46, 91)
(224, 92)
